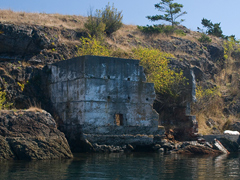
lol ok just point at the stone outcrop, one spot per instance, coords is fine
(34, 43)
(31, 135)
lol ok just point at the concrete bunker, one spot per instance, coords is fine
(103, 96)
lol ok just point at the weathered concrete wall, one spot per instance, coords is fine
(103, 95)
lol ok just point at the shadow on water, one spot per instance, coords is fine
(43, 169)
(126, 166)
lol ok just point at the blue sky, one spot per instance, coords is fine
(135, 11)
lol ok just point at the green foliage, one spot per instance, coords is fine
(95, 25)
(213, 29)
(232, 38)
(204, 38)
(151, 29)
(157, 29)
(168, 30)
(172, 12)
(112, 19)
(3, 103)
(92, 46)
(104, 21)
(157, 70)
(180, 32)
(228, 48)
(230, 45)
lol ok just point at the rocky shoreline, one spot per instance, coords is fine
(186, 147)
(33, 135)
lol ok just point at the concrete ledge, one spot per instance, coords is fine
(120, 130)
(120, 140)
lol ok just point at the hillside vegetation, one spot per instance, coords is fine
(58, 37)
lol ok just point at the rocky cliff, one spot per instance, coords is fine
(26, 46)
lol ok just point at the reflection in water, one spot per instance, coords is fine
(45, 169)
(126, 166)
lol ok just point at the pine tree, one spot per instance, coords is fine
(172, 12)
(213, 29)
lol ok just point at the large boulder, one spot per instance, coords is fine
(31, 135)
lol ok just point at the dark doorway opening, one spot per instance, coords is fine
(119, 119)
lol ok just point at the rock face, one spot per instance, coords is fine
(33, 43)
(31, 135)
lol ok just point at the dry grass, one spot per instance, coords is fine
(221, 123)
(34, 109)
(3, 71)
(202, 126)
(50, 20)
(54, 21)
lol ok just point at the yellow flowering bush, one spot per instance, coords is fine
(155, 63)
(91, 46)
(206, 93)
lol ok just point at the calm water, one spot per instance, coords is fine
(125, 166)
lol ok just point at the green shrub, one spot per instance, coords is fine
(204, 38)
(157, 29)
(104, 21)
(95, 25)
(180, 32)
(112, 19)
(151, 29)
(168, 30)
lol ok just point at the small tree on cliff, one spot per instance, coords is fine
(172, 12)
(112, 18)
(213, 29)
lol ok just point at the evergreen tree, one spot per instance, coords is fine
(213, 29)
(172, 12)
